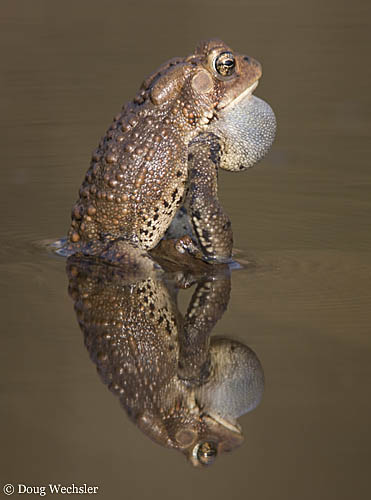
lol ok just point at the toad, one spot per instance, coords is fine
(182, 387)
(155, 171)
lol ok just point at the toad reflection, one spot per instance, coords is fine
(182, 388)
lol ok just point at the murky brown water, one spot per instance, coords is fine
(303, 216)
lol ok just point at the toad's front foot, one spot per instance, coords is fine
(186, 245)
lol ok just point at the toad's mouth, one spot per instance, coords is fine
(233, 427)
(232, 101)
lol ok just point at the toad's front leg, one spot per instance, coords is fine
(208, 303)
(211, 225)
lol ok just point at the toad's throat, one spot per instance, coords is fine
(246, 128)
(245, 94)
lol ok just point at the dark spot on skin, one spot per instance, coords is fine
(190, 156)
(214, 154)
(246, 58)
(168, 327)
(165, 203)
(173, 196)
(227, 225)
(179, 173)
(205, 234)
(241, 167)
(152, 307)
(197, 214)
(155, 217)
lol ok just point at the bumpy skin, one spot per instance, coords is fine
(211, 226)
(140, 173)
(180, 388)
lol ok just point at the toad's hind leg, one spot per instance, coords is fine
(210, 223)
(135, 260)
(126, 254)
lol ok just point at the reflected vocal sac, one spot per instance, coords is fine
(184, 389)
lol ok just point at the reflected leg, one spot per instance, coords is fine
(208, 303)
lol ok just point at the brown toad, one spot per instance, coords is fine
(161, 154)
(184, 388)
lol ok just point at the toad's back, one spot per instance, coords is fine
(129, 190)
(137, 176)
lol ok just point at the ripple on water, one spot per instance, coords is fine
(25, 257)
(328, 287)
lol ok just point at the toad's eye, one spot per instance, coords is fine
(206, 453)
(225, 64)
